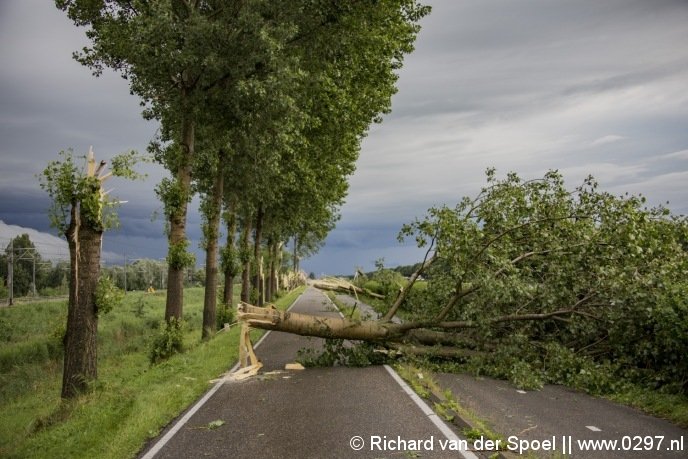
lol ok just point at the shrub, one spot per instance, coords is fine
(225, 315)
(168, 341)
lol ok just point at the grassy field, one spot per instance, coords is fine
(131, 401)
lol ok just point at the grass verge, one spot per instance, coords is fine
(130, 403)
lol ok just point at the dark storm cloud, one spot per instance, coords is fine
(48, 103)
(584, 86)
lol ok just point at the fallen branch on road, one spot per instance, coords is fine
(340, 285)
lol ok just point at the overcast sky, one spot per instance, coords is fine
(587, 87)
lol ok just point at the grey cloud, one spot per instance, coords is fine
(578, 85)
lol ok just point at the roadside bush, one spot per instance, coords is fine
(374, 287)
(224, 315)
(168, 341)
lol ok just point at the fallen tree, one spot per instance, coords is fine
(343, 286)
(539, 277)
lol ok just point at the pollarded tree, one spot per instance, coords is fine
(81, 213)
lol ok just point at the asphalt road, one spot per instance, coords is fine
(559, 412)
(314, 413)
(562, 414)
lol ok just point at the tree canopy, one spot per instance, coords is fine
(285, 89)
(548, 283)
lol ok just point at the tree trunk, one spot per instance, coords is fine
(246, 273)
(213, 230)
(279, 268)
(177, 235)
(228, 293)
(421, 332)
(269, 285)
(257, 281)
(80, 360)
(295, 262)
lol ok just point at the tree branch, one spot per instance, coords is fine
(401, 297)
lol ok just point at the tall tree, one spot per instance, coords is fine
(81, 212)
(211, 207)
(193, 61)
(175, 53)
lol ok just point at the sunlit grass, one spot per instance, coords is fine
(131, 401)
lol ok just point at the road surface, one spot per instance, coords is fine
(314, 413)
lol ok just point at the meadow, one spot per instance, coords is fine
(132, 400)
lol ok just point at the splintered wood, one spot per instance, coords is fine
(249, 365)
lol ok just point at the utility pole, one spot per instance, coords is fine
(34, 273)
(10, 274)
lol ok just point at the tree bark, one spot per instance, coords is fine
(228, 293)
(80, 360)
(271, 289)
(278, 266)
(210, 298)
(428, 333)
(295, 262)
(246, 272)
(257, 241)
(175, 273)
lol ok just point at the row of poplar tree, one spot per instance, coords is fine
(262, 107)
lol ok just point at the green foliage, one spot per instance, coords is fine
(132, 401)
(169, 341)
(285, 92)
(25, 258)
(179, 257)
(597, 277)
(522, 376)
(385, 281)
(173, 196)
(4, 292)
(108, 296)
(230, 260)
(339, 352)
(70, 187)
(224, 315)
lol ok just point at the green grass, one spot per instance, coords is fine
(348, 311)
(131, 401)
(673, 407)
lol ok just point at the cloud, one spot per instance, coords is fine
(607, 139)
(586, 87)
(49, 246)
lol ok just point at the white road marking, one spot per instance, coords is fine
(521, 391)
(594, 429)
(432, 416)
(439, 423)
(177, 427)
